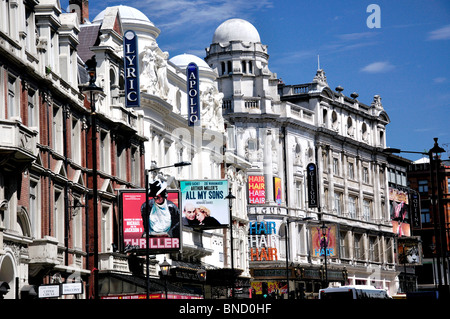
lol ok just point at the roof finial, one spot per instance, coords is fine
(318, 63)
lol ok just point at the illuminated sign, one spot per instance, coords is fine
(131, 64)
(256, 190)
(263, 241)
(193, 94)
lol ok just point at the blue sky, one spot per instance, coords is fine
(406, 60)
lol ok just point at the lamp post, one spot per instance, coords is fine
(91, 92)
(230, 197)
(286, 230)
(146, 222)
(165, 270)
(438, 213)
(324, 239)
(201, 273)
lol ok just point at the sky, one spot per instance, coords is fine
(398, 49)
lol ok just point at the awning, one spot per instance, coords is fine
(113, 284)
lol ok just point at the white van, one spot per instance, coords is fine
(353, 292)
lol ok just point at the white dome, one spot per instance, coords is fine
(183, 60)
(126, 13)
(236, 30)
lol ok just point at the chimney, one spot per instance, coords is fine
(81, 7)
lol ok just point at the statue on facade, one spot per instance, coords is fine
(211, 108)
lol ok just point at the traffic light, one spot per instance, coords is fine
(265, 289)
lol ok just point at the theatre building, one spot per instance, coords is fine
(281, 129)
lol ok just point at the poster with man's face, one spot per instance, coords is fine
(133, 230)
(204, 204)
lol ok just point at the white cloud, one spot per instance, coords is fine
(439, 80)
(377, 67)
(440, 34)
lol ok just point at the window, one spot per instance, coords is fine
(59, 215)
(337, 203)
(343, 247)
(33, 112)
(29, 24)
(423, 186)
(104, 152)
(357, 247)
(425, 215)
(352, 206)
(121, 160)
(365, 175)
(34, 208)
(229, 67)
(389, 250)
(366, 209)
(391, 176)
(57, 130)
(77, 226)
(135, 166)
(106, 225)
(298, 194)
(351, 171)
(13, 104)
(373, 249)
(335, 166)
(75, 142)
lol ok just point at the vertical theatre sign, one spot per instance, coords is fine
(131, 64)
(193, 94)
(311, 170)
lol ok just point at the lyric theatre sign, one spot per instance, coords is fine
(263, 241)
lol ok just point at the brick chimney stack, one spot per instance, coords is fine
(81, 7)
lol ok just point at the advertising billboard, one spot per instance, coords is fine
(399, 207)
(409, 251)
(256, 190)
(321, 244)
(204, 204)
(277, 190)
(132, 211)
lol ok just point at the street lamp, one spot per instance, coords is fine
(165, 270)
(438, 213)
(324, 239)
(91, 92)
(146, 221)
(286, 230)
(230, 197)
(201, 273)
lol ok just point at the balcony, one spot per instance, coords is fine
(43, 254)
(17, 145)
(113, 262)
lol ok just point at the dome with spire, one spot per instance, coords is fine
(236, 30)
